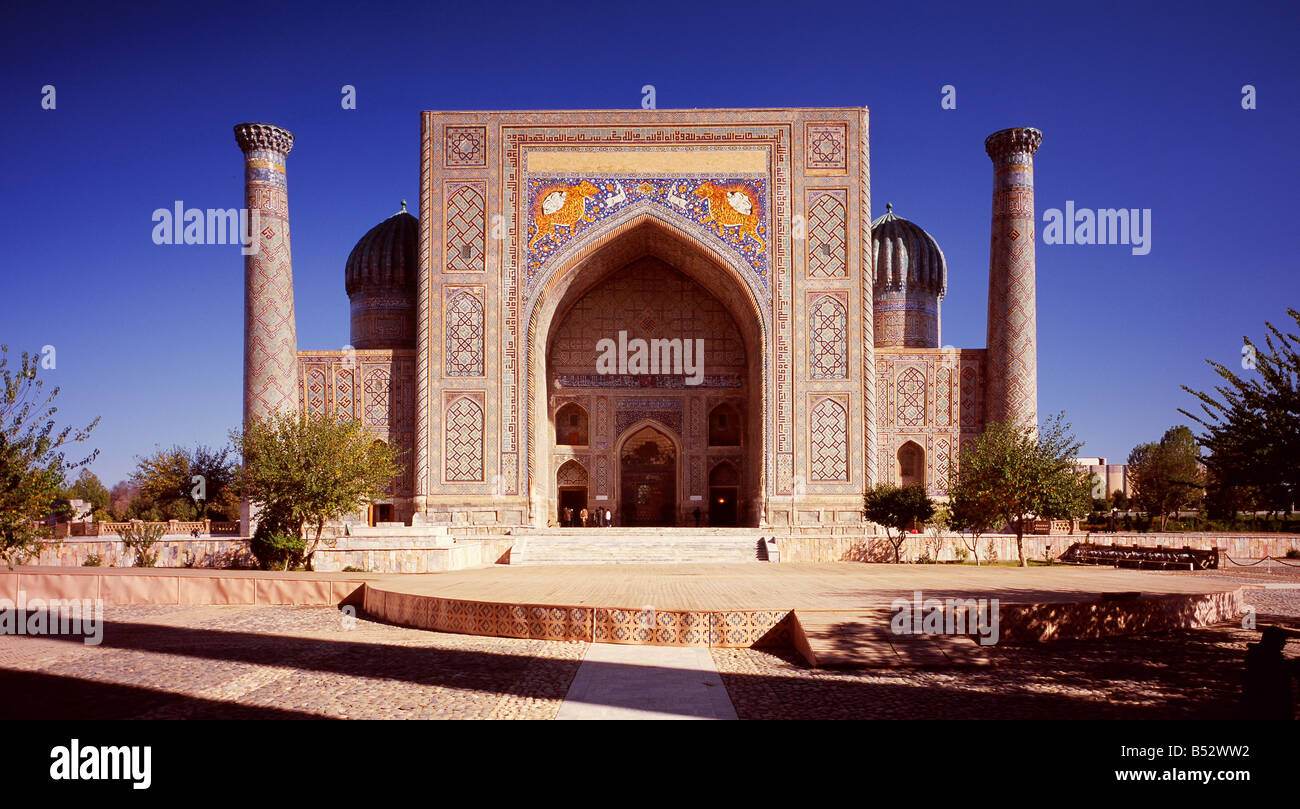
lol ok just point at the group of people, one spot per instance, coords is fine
(600, 518)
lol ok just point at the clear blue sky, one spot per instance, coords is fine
(1140, 106)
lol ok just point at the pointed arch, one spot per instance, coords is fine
(607, 247)
(910, 464)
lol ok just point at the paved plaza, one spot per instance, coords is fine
(316, 662)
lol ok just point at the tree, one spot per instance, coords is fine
(33, 461)
(1166, 477)
(185, 484)
(897, 509)
(971, 510)
(119, 499)
(1013, 473)
(1252, 423)
(303, 470)
(89, 488)
(1119, 500)
(215, 468)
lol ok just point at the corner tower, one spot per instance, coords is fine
(1012, 358)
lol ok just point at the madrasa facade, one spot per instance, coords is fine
(681, 317)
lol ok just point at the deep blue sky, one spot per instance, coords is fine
(1140, 107)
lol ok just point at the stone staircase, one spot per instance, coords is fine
(630, 546)
(396, 532)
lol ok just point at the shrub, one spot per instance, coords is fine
(141, 537)
(991, 553)
(92, 560)
(961, 552)
(276, 548)
(354, 569)
(1294, 553)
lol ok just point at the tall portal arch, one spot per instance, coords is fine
(613, 245)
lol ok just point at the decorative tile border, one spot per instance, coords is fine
(743, 629)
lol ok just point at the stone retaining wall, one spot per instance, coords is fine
(878, 549)
(373, 555)
(152, 586)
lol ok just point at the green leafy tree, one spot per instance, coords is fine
(216, 469)
(305, 470)
(89, 488)
(1119, 500)
(971, 510)
(897, 509)
(33, 461)
(1251, 423)
(1012, 474)
(185, 484)
(1167, 477)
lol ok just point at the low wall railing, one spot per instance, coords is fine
(205, 528)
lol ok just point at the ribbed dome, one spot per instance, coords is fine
(906, 257)
(386, 260)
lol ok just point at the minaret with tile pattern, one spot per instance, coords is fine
(1011, 371)
(270, 333)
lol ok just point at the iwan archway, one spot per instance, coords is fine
(653, 288)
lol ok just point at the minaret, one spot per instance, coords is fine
(1011, 365)
(270, 334)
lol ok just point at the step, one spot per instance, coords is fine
(634, 546)
(392, 531)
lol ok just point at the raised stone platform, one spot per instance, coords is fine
(177, 586)
(744, 605)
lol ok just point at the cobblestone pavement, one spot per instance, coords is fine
(1176, 675)
(302, 662)
(291, 662)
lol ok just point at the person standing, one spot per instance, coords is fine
(583, 516)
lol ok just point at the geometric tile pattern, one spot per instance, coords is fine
(465, 228)
(463, 321)
(465, 147)
(1012, 371)
(316, 391)
(377, 390)
(943, 397)
(968, 399)
(938, 417)
(828, 444)
(942, 461)
(911, 398)
(270, 338)
(827, 236)
(571, 474)
(376, 386)
(828, 338)
(463, 441)
(826, 146)
(730, 628)
(736, 629)
(344, 407)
